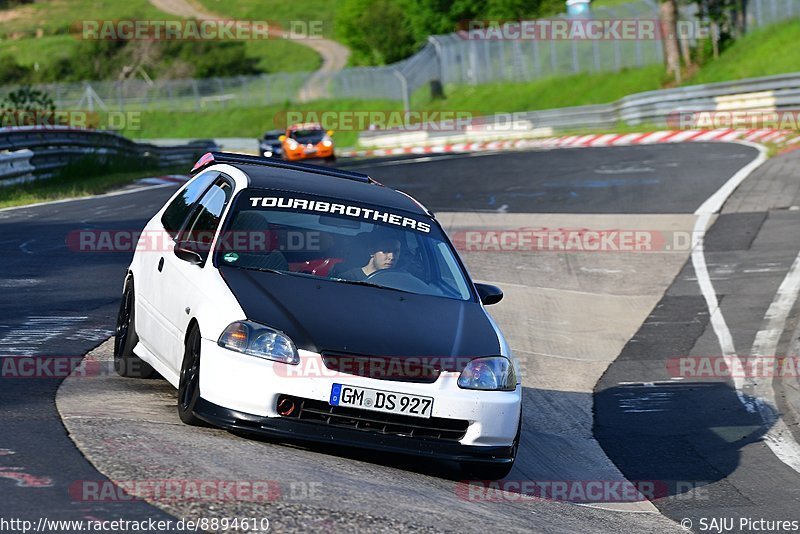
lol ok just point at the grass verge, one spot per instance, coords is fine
(53, 21)
(547, 93)
(248, 122)
(762, 52)
(75, 185)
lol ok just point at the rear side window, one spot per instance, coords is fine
(203, 223)
(179, 208)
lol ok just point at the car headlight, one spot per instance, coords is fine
(292, 144)
(495, 373)
(327, 141)
(260, 341)
(267, 153)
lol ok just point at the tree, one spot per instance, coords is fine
(27, 106)
(668, 11)
(377, 31)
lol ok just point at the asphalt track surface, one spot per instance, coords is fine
(58, 302)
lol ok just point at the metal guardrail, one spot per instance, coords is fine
(658, 108)
(53, 148)
(15, 167)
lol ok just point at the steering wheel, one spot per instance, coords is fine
(397, 279)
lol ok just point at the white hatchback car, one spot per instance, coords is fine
(312, 303)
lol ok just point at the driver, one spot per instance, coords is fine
(383, 254)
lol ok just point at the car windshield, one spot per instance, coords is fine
(342, 241)
(308, 136)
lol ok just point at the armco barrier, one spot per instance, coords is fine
(52, 148)
(15, 167)
(770, 93)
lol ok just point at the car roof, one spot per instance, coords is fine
(329, 186)
(264, 173)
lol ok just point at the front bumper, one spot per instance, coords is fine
(287, 428)
(299, 154)
(238, 389)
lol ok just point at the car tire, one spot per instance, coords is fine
(492, 471)
(126, 363)
(189, 384)
(331, 159)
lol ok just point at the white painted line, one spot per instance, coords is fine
(778, 437)
(714, 203)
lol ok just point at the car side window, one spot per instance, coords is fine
(177, 211)
(202, 224)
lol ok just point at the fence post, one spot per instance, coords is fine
(487, 61)
(473, 62)
(120, 103)
(596, 53)
(638, 52)
(519, 62)
(576, 66)
(502, 46)
(437, 47)
(196, 92)
(404, 89)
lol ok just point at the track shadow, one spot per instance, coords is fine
(683, 435)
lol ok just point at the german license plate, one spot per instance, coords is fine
(381, 401)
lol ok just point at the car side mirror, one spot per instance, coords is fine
(187, 255)
(489, 294)
(330, 133)
(282, 138)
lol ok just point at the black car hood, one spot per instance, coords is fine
(321, 315)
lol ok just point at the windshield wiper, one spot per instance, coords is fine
(363, 283)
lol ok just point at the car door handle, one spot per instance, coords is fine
(161, 264)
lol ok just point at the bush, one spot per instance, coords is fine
(377, 31)
(11, 71)
(385, 31)
(213, 58)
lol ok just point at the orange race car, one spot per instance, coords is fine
(307, 141)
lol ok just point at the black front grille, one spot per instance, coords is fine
(370, 421)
